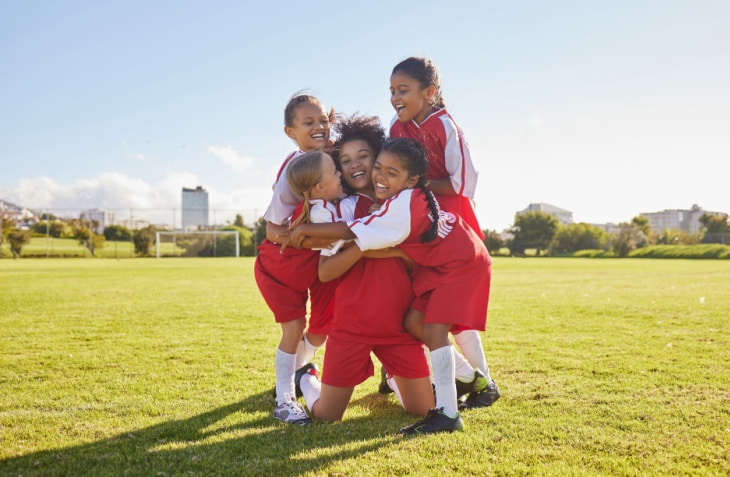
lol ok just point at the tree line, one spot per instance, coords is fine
(544, 234)
(536, 231)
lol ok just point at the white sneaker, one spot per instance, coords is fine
(291, 412)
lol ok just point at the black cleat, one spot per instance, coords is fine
(435, 421)
(482, 398)
(384, 387)
(479, 383)
(309, 368)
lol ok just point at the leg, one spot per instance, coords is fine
(416, 394)
(413, 323)
(332, 403)
(291, 334)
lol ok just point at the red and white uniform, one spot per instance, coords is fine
(454, 269)
(370, 303)
(448, 157)
(287, 279)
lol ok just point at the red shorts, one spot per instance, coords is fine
(287, 280)
(348, 363)
(421, 304)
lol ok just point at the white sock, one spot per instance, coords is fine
(284, 376)
(394, 386)
(311, 389)
(305, 352)
(442, 360)
(470, 344)
(464, 371)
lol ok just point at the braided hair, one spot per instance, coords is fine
(303, 174)
(413, 157)
(425, 72)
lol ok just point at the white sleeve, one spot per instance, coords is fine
(346, 209)
(388, 226)
(324, 212)
(283, 203)
(461, 169)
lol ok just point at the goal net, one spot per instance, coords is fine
(210, 243)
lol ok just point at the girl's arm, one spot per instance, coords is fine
(334, 266)
(333, 231)
(441, 187)
(276, 233)
(462, 173)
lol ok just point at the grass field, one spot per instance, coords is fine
(165, 367)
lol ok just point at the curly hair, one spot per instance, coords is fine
(357, 128)
(413, 157)
(425, 72)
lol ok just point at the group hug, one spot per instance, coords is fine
(378, 234)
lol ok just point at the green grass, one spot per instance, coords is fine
(70, 248)
(165, 367)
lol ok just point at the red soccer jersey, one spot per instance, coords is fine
(454, 268)
(448, 157)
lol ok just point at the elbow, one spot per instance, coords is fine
(325, 277)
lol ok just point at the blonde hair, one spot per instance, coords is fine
(303, 174)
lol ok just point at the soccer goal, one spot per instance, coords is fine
(202, 243)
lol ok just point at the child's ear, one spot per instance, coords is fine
(412, 181)
(429, 92)
(289, 132)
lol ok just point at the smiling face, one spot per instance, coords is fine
(356, 161)
(329, 186)
(390, 177)
(411, 101)
(310, 127)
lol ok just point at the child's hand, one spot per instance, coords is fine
(293, 238)
(373, 208)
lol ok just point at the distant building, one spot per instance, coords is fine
(194, 208)
(687, 220)
(103, 217)
(565, 217)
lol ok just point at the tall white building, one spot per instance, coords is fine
(194, 208)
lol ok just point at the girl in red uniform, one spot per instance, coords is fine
(415, 93)
(286, 279)
(453, 267)
(358, 328)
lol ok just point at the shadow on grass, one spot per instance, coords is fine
(215, 442)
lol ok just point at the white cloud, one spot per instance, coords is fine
(157, 203)
(231, 158)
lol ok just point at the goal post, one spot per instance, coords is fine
(214, 233)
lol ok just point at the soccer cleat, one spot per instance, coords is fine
(291, 412)
(384, 387)
(435, 421)
(309, 368)
(479, 383)
(483, 398)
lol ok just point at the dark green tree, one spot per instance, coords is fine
(716, 228)
(238, 222)
(533, 230)
(18, 239)
(117, 233)
(143, 239)
(493, 240)
(573, 237)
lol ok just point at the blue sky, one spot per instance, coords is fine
(607, 109)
